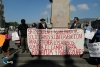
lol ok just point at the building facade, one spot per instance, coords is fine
(2, 18)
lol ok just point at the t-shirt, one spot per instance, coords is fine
(89, 28)
(23, 30)
(98, 33)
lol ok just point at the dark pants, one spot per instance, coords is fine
(24, 44)
(5, 48)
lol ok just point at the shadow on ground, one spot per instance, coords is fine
(12, 50)
(40, 63)
(93, 61)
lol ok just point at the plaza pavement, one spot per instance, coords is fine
(25, 60)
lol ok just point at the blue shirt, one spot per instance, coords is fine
(98, 34)
(89, 28)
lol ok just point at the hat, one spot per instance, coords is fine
(42, 19)
(98, 18)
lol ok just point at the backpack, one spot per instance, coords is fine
(8, 37)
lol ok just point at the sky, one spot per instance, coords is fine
(34, 10)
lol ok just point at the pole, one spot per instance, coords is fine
(47, 19)
(15, 24)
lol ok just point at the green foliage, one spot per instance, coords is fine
(13, 24)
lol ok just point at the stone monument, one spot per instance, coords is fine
(60, 13)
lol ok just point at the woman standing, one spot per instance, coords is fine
(5, 47)
(89, 28)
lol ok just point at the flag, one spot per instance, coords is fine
(47, 19)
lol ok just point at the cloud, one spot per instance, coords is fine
(82, 7)
(48, 6)
(45, 13)
(95, 4)
(72, 8)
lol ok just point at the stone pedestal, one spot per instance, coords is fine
(60, 13)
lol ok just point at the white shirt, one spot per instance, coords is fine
(43, 25)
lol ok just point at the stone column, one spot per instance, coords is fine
(60, 13)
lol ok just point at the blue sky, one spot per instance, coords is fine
(33, 10)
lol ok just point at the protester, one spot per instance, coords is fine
(76, 23)
(5, 47)
(34, 25)
(43, 24)
(95, 24)
(89, 28)
(22, 28)
(97, 37)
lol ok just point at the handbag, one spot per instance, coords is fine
(15, 36)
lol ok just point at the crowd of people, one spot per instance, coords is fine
(22, 32)
(88, 27)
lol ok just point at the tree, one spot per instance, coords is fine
(13, 24)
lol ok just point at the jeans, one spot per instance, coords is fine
(86, 41)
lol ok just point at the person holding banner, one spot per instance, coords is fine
(89, 28)
(22, 29)
(97, 37)
(43, 24)
(34, 25)
(76, 23)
